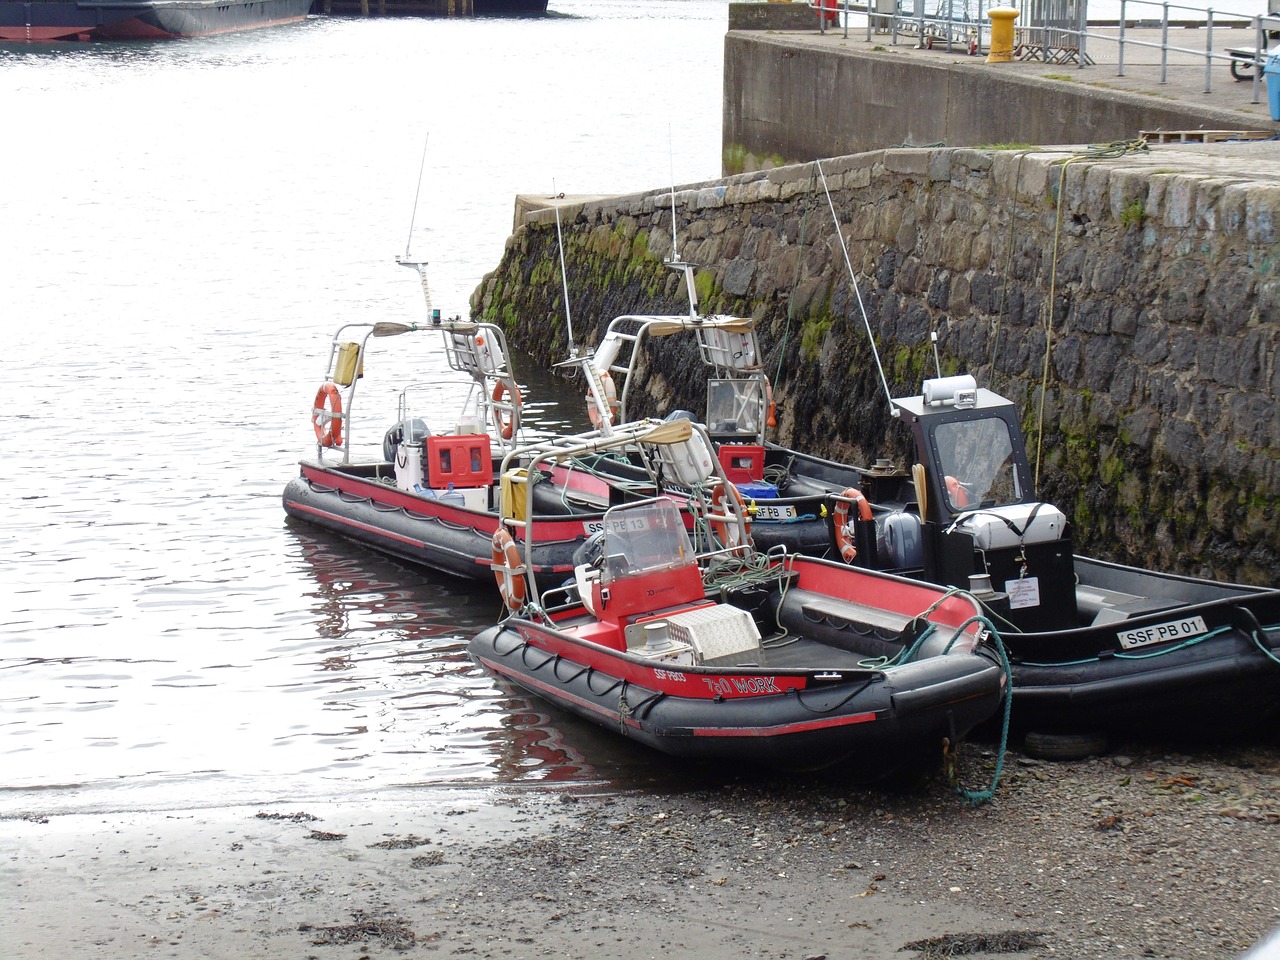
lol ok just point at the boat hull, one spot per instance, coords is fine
(51, 20)
(426, 532)
(1219, 681)
(1079, 676)
(880, 721)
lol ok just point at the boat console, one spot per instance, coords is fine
(979, 514)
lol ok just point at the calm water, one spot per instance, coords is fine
(182, 228)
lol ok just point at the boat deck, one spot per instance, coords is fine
(801, 653)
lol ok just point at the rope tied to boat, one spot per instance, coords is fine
(736, 571)
(1256, 632)
(975, 798)
(624, 709)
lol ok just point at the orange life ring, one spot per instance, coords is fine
(509, 427)
(845, 540)
(610, 401)
(727, 531)
(508, 570)
(956, 493)
(326, 415)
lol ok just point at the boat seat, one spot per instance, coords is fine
(816, 606)
(1098, 605)
(857, 628)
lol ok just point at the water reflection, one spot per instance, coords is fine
(400, 638)
(400, 635)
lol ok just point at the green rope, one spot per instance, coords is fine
(1189, 642)
(976, 798)
(905, 655)
(1257, 642)
(1107, 151)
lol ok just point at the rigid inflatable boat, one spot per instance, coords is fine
(696, 645)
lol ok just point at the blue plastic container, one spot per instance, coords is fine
(758, 490)
(1271, 74)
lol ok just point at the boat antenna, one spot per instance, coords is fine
(407, 260)
(564, 279)
(937, 362)
(414, 212)
(671, 166)
(675, 263)
(853, 279)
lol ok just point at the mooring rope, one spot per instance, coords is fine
(1106, 151)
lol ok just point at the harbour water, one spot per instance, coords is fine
(183, 227)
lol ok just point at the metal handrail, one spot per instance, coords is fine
(912, 19)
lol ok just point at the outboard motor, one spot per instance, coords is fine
(395, 436)
(404, 448)
(1026, 551)
(899, 544)
(675, 415)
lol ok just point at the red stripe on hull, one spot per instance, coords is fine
(356, 524)
(484, 522)
(559, 694)
(37, 34)
(785, 728)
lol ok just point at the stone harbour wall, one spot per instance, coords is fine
(1148, 393)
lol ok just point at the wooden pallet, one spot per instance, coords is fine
(1204, 136)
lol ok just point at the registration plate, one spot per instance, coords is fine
(1162, 632)
(768, 511)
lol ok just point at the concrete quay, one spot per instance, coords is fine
(882, 94)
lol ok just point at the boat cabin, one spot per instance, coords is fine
(978, 523)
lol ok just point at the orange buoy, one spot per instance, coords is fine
(326, 416)
(507, 427)
(610, 401)
(725, 529)
(508, 570)
(846, 542)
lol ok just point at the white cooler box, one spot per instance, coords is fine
(1036, 522)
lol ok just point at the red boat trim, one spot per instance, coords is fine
(483, 521)
(805, 727)
(392, 535)
(559, 693)
(368, 527)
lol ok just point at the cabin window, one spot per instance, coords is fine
(976, 458)
(643, 538)
(735, 406)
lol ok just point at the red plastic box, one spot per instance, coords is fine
(463, 460)
(742, 462)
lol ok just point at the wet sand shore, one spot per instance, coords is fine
(1140, 854)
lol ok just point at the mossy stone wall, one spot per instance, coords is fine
(1149, 398)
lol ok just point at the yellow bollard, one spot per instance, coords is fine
(1001, 34)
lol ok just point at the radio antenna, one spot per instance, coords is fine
(564, 279)
(414, 213)
(675, 263)
(853, 279)
(407, 260)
